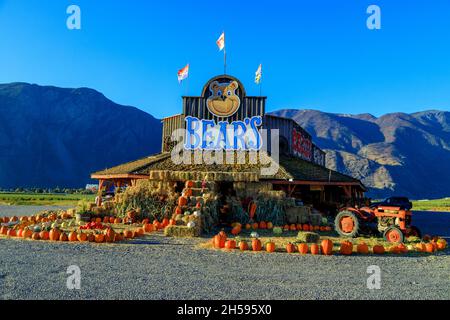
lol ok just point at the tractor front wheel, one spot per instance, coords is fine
(394, 235)
(347, 224)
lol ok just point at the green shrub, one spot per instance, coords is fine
(308, 237)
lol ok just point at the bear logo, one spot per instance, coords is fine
(223, 101)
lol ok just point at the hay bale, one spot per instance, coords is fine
(298, 215)
(181, 232)
(308, 237)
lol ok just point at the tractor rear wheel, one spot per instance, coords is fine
(394, 235)
(347, 224)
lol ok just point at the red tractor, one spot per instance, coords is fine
(394, 223)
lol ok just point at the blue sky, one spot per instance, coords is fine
(315, 54)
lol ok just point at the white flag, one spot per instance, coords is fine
(221, 41)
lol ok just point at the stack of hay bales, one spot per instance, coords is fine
(301, 214)
(182, 231)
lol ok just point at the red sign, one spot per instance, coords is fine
(301, 145)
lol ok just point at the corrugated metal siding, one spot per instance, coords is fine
(169, 126)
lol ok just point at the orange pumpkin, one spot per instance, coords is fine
(99, 238)
(27, 233)
(11, 233)
(117, 220)
(270, 247)
(219, 242)
(262, 225)
(139, 232)
(182, 201)
(118, 237)
(23, 219)
(299, 227)
(293, 227)
(4, 230)
(243, 246)
(54, 235)
(19, 233)
(35, 236)
(256, 245)
(290, 248)
(255, 226)
(82, 237)
(73, 236)
(269, 225)
(235, 231)
(148, 228)
(189, 184)
(187, 193)
(98, 220)
(156, 225)
(305, 227)
(230, 244)
(128, 234)
(44, 235)
(378, 249)
(346, 248)
(14, 219)
(362, 248)
(303, 248)
(63, 237)
(165, 222)
(315, 249)
(111, 219)
(178, 211)
(327, 247)
(248, 226)
(441, 244)
(429, 248)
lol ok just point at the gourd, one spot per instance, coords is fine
(191, 224)
(277, 230)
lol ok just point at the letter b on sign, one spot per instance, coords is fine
(374, 280)
(74, 280)
(74, 20)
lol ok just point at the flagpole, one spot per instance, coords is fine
(224, 60)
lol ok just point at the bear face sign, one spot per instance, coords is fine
(223, 102)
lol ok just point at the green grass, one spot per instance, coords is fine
(441, 205)
(40, 199)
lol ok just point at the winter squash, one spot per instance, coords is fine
(189, 184)
(82, 237)
(35, 236)
(270, 247)
(248, 226)
(44, 235)
(346, 248)
(11, 233)
(54, 235)
(256, 245)
(305, 227)
(327, 247)
(255, 226)
(73, 236)
(293, 227)
(290, 248)
(4, 230)
(149, 227)
(182, 201)
(299, 227)
(230, 244)
(219, 242)
(269, 225)
(243, 246)
(362, 248)
(27, 233)
(63, 237)
(99, 238)
(315, 249)
(378, 249)
(235, 231)
(128, 234)
(303, 248)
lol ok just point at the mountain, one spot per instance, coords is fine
(398, 153)
(56, 137)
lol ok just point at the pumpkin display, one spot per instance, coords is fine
(54, 235)
(315, 249)
(362, 248)
(63, 237)
(256, 245)
(303, 248)
(230, 244)
(182, 201)
(44, 235)
(73, 236)
(243, 246)
(99, 238)
(346, 248)
(327, 247)
(378, 249)
(35, 236)
(269, 225)
(290, 248)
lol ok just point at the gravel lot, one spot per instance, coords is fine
(161, 268)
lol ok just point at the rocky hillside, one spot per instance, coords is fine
(56, 137)
(398, 153)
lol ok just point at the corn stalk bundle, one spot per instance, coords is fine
(272, 210)
(238, 214)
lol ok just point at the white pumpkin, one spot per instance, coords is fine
(254, 235)
(191, 224)
(187, 213)
(197, 214)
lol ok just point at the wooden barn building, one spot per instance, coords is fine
(301, 174)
